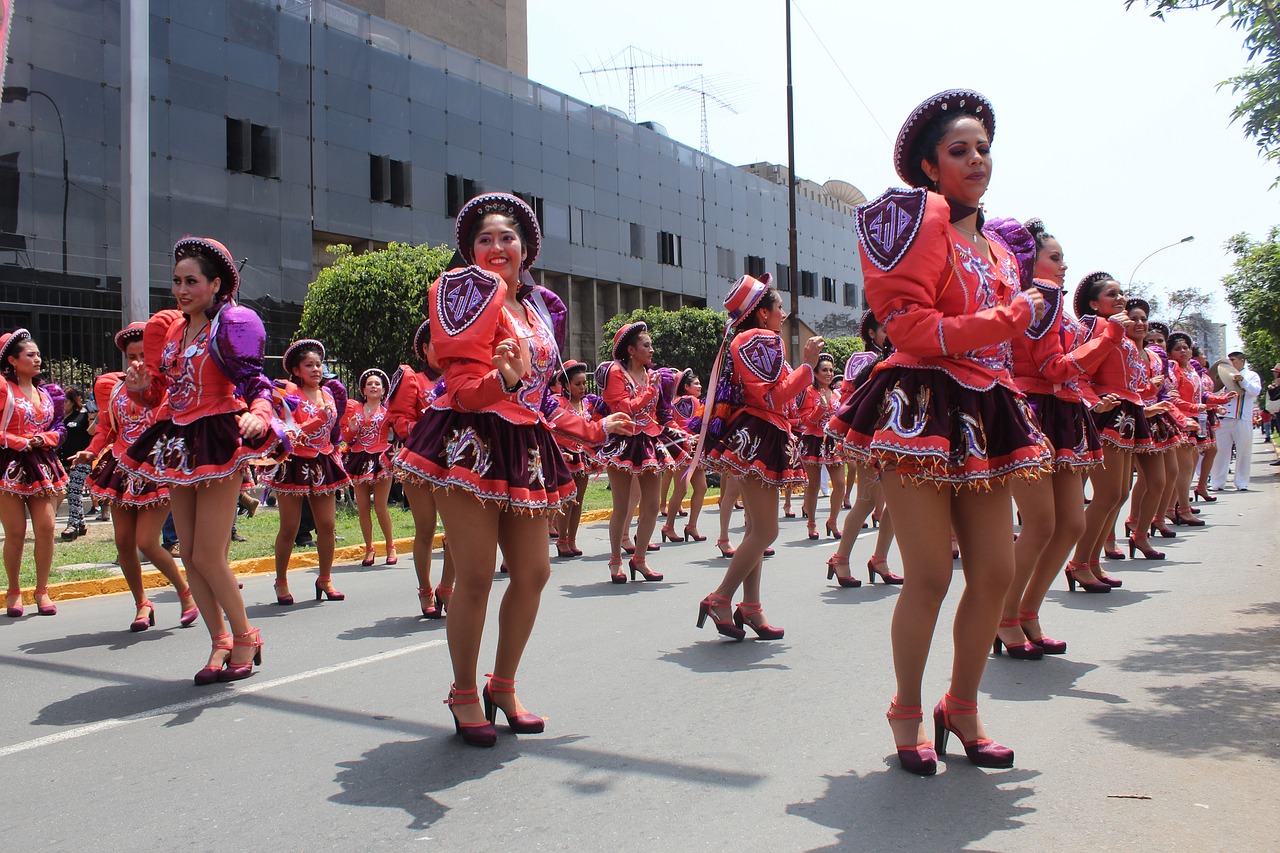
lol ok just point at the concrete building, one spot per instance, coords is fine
(283, 127)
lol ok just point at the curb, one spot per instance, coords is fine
(152, 579)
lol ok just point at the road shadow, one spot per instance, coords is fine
(116, 701)
(865, 594)
(722, 654)
(1037, 680)
(112, 640)
(393, 627)
(1107, 602)
(606, 589)
(962, 805)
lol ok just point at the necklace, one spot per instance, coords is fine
(972, 235)
(189, 343)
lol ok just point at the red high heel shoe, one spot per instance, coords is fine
(44, 609)
(1087, 586)
(573, 546)
(875, 517)
(1112, 553)
(369, 556)
(642, 570)
(392, 556)
(1021, 651)
(324, 587)
(142, 623)
(918, 758)
(832, 531)
(1186, 515)
(727, 627)
(521, 724)
(885, 575)
(955, 548)
(189, 614)
(764, 630)
(1096, 568)
(430, 610)
(1165, 532)
(628, 546)
(984, 752)
(564, 549)
(1143, 545)
(786, 513)
(668, 534)
(285, 600)
(690, 533)
(443, 595)
(237, 671)
(1047, 645)
(616, 576)
(209, 673)
(1202, 494)
(812, 527)
(846, 581)
(473, 734)
(768, 552)
(13, 603)
(725, 550)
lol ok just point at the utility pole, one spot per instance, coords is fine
(793, 273)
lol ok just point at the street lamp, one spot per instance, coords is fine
(1157, 251)
(21, 93)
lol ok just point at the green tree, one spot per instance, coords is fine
(1253, 290)
(366, 307)
(689, 337)
(1258, 86)
(841, 349)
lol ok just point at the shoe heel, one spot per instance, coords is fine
(940, 730)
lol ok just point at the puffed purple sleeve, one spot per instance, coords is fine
(239, 349)
(57, 431)
(339, 392)
(559, 316)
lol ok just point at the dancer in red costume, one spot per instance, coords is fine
(687, 409)
(366, 429)
(819, 450)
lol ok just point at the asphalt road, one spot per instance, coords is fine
(1158, 730)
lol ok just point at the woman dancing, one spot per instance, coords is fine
(312, 473)
(819, 450)
(687, 410)
(942, 416)
(748, 438)
(366, 430)
(32, 478)
(576, 457)
(139, 506)
(216, 420)
(1189, 397)
(486, 449)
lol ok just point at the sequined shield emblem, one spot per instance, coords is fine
(461, 296)
(887, 226)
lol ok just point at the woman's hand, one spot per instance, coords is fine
(1036, 299)
(812, 349)
(251, 426)
(80, 458)
(136, 379)
(1123, 319)
(511, 358)
(1158, 408)
(619, 423)
(1193, 428)
(1107, 403)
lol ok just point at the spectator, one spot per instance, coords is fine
(1237, 427)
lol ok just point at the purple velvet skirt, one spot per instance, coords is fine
(28, 473)
(643, 454)
(752, 447)
(207, 449)
(363, 467)
(112, 482)
(1070, 430)
(322, 474)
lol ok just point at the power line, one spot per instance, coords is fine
(847, 81)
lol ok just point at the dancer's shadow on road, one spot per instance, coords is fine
(117, 701)
(111, 640)
(392, 628)
(1107, 602)
(727, 655)
(605, 589)
(960, 811)
(868, 593)
(1035, 681)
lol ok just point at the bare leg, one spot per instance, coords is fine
(364, 509)
(381, 491)
(290, 516)
(868, 493)
(836, 473)
(1068, 501)
(699, 482)
(730, 489)
(1036, 505)
(760, 503)
(649, 506)
(1151, 469)
(810, 504)
(620, 520)
(323, 511)
(1109, 486)
(529, 570)
(13, 515)
(422, 503)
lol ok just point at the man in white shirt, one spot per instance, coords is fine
(1236, 428)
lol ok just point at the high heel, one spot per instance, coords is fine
(43, 609)
(668, 534)
(142, 623)
(955, 548)
(1148, 553)
(1165, 533)
(14, 610)
(521, 724)
(1087, 586)
(237, 671)
(689, 534)
(832, 531)
(642, 570)
(1096, 568)
(885, 575)
(812, 526)
(573, 546)
(786, 513)
(430, 610)
(725, 550)
(875, 517)
(764, 631)
(285, 600)
(984, 752)
(209, 674)
(1021, 651)
(1202, 494)
(615, 570)
(727, 628)
(443, 595)
(849, 581)
(369, 556)
(392, 556)
(919, 758)
(324, 587)
(473, 734)
(1189, 518)
(189, 614)
(628, 547)
(1047, 645)
(1128, 527)
(563, 548)
(1112, 553)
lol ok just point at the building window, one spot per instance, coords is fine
(851, 294)
(390, 181)
(459, 191)
(724, 262)
(637, 240)
(535, 202)
(782, 278)
(670, 249)
(251, 148)
(577, 227)
(828, 289)
(753, 265)
(808, 283)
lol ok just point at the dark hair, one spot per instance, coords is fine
(685, 379)
(771, 297)
(930, 137)
(1092, 290)
(75, 395)
(567, 376)
(1036, 227)
(476, 226)
(299, 354)
(627, 340)
(827, 357)
(1180, 335)
(209, 268)
(6, 369)
(1236, 354)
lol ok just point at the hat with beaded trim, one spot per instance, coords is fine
(950, 102)
(745, 296)
(130, 333)
(293, 353)
(1162, 328)
(217, 253)
(1080, 301)
(620, 339)
(506, 204)
(1138, 302)
(374, 371)
(1179, 335)
(8, 341)
(421, 339)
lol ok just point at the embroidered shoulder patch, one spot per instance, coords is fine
(762, 355)
(684, 407)
(887, 226)
(1053, 309)
(461, 296)
(858, 362)
(1087, 323)
(396, 379)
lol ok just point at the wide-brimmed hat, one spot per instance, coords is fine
(572, 365)
(620, 339)
(294, 352)
(864, 326)
(8, 341)
(744, 296)
(228, 272)
(130, 333)
(1223, 375)
(508, 205)
(950, 102)
(374, 371)
(421, 338)
(1080, 300)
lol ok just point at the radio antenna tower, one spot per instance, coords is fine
(717, 89)
(632, 59)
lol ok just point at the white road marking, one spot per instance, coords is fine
(243, 689)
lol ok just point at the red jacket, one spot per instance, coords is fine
(766, 383)
(1053, 354)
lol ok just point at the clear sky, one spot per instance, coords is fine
(1109, 124)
